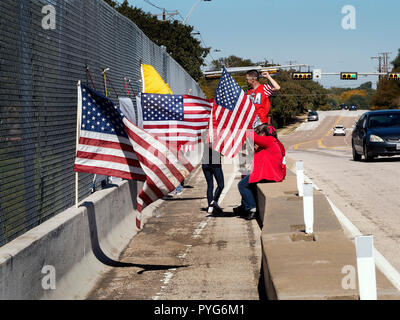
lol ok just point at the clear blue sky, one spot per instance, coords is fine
(306, 31)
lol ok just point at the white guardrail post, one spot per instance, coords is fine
(300, 177)
(366, 267)
(308, 207)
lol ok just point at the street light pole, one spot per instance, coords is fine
(191, 10)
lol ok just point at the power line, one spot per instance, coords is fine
(165, 12)
(147, 1)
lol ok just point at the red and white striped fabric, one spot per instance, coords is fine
(164, 117)
(187, 147)
(104, 147)
(165, 168)
(268, 90)
(233, 114)
(107, 155)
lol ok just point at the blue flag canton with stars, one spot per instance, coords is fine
(159, 107)
(228, 91)
(100, 115)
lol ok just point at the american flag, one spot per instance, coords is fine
(104, 147)
(176, 119)
(165, 168)
(233, 113)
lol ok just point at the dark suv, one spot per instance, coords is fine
(377, 133)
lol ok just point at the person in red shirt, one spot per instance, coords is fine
(269, 165)
(259, 94)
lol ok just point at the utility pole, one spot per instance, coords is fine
(385, 61)
(379, 65)
(290, 62)
(164, 13)
(192, 9)
(167, 13)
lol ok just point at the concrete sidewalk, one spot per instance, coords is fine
(184, 253)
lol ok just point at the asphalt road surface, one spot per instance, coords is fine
(367, 193)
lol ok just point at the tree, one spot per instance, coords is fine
(230, 62)
(396, 63)
(387, 95)
(175, 36)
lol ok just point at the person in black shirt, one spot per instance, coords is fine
(212, 168)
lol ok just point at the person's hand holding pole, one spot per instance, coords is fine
(273, 82)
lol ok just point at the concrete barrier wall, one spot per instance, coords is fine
(80, 243)
(297, 266)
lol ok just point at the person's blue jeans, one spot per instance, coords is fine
(210, 171)
(248, 191)
(179, 188)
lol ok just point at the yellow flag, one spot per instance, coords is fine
(152, 81)
(169, 88)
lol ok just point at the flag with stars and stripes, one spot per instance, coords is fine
(104, 147)
(233, 113)
(176, 119)
(165, 168)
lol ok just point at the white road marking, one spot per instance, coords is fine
(380, 261)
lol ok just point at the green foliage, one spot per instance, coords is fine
(387, 95)
(174, 35)
(396, 63)
(333, 102)
(360, 96)
(295, 97)
(360, 101)
(230, 62)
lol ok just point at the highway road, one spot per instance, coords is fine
(367, 193)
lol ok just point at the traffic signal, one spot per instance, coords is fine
(302, 75)
(348, 75)
(394, 76)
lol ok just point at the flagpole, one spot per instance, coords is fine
(78, 126)
(105, 80)
(127, 89)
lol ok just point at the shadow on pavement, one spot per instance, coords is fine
(103, 258)
(377, 160)
(182, 199)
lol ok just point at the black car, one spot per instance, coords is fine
(377, 133)
(353, 108)
(343, 107)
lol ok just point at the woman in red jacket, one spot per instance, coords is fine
(268, 166)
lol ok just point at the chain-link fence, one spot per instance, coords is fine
(39, 71)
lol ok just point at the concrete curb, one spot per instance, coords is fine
(299, 267)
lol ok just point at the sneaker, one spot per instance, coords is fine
(251, 214)
(210, 209)
(217, 208)
(239, 210)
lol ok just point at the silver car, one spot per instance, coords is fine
(312, 116)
